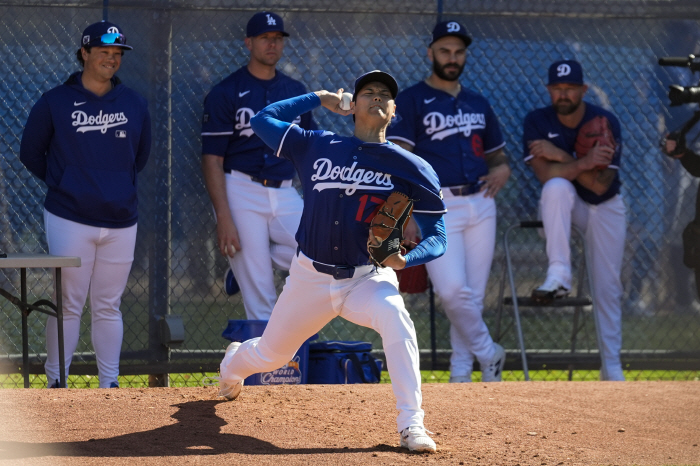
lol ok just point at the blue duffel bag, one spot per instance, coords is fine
(341, 362)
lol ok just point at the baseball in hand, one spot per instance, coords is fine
(345, 101)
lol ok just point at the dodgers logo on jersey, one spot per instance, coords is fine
(351, 178)
(243, 116)
(563, 70)
(100, 122)
(441, 126)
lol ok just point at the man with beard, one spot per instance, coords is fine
(583, 189)
(457, 132)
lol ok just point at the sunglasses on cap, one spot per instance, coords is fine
(109, 38)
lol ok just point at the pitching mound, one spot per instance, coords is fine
(526, 423)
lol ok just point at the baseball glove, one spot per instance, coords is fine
(386, 229)
(596, 130)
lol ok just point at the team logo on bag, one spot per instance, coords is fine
(287, 374)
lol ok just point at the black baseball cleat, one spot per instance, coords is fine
(550, 290)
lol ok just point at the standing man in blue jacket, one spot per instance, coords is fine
(87, 139)
(257, 208)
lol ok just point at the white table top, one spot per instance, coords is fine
(33, 260)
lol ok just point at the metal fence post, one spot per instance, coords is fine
(160, 257)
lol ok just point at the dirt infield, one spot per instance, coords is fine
(525, 423)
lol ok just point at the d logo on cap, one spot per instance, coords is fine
(563, 70)
(452, 27)
(566, 71)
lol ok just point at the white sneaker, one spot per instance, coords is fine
(461, 378)
(493, 371)
(231, 390)
(550, 290)
(415, 438)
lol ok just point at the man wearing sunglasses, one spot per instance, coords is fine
(86, 139)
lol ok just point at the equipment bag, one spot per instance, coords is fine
(341, 362)
(691, 245)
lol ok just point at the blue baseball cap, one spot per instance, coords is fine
(265, 21)
(451, 28)
(104, 34)
(376, 76)
(566, 71)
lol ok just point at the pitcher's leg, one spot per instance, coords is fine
(303, 308)
(376, 303)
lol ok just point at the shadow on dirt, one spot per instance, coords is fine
(197, 432)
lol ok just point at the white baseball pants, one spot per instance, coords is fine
(310, 300)
(267, 220)
(460, 276)
(603, 227)
(106, 255)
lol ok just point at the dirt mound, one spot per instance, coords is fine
(526, 423)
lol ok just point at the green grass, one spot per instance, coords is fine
(204, 379)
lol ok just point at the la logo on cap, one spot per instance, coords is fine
(271, 21)
(452, 27)
(563, 70)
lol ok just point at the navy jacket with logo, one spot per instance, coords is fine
(88, 150)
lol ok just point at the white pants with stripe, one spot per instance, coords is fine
(267, 220)
(106, 255)
(460, 277)
(310, 300)
(603, 227)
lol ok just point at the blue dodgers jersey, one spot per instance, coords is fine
(452, 133)
(226, 127)
(345, 181)
(543, 123)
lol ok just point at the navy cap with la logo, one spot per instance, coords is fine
(265, 21)
(451, 28)
(566, 71)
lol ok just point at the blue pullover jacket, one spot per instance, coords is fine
(88, 150)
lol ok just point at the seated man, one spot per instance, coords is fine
(582, 186)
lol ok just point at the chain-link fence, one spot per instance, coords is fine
(182, 49)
